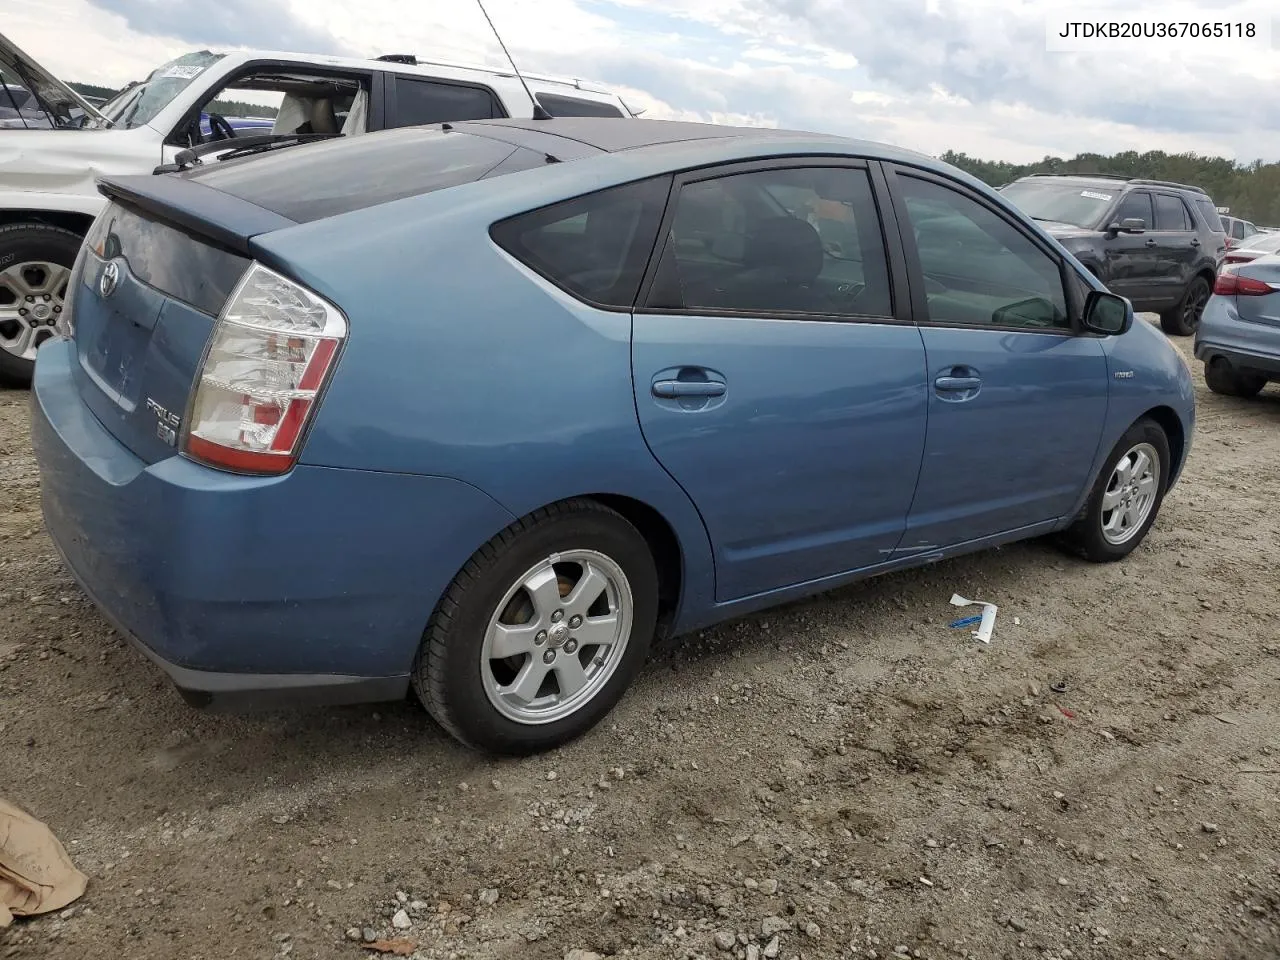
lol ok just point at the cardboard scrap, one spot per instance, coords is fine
(36, 875)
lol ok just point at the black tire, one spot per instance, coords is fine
(1184, 319)
(1221, 377)
(1086, 537)
(448, 672)
(20, 243)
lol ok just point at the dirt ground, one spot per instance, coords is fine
(844, 777)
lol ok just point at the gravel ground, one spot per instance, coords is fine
(844, 777)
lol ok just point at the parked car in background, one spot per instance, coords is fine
(1239, 336)
(1156, 243)
(19, 109)
(48, 196)
(485, 424)
(1258, 245)
(1237, 230)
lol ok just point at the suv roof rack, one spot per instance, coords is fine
(1137, 180)
(408, 58)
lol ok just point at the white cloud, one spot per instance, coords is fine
(932, 75)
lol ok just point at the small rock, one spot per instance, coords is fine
(771, 925)
(488, 896)
(551, 774)
(769, 886)
(931, 843)
(1159, 789)
(1064, 882)
(368, 934)
(812, 930)
(751, 883)
(333, 884)
(68, 913)
(353, 934)
(753, 952)
(1208, 827)
(402, 897)
(1019, 925)
(724, 940)
(771, 948)
(401, 920)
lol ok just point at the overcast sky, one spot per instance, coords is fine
(932, 75)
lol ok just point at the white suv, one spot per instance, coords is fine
(48, 172)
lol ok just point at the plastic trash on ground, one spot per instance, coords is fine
(987, 623)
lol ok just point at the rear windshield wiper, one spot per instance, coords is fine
(240, 147)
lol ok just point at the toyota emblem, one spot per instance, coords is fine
(109, 280)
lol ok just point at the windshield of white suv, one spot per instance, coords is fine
(140, 103)
(1078, 204)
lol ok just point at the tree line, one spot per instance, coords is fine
(1251, 191)
(228, 108)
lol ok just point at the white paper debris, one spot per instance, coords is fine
(988, 624)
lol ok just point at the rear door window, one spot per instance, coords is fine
(1170, 214)
(805, 240)
(595, 247)
(431, 101)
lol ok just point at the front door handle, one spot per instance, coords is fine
(1150, 243)
(1195, 241)
(957, 384)
(672, 389)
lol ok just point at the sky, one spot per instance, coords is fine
(931, 75)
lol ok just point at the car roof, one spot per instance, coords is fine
(617, 134)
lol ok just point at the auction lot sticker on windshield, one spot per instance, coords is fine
(1092, 195)
(187, 72)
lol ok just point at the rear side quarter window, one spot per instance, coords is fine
(595, 247)
(559, 105)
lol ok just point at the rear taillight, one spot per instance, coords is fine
(1236, 258)
(268, 358)
(1231, 284)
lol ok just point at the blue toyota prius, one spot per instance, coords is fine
(477, 409)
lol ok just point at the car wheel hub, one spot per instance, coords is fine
(1130, 495)
(32, 295)
(558, 636)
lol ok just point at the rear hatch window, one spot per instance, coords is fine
(142, 300)
(337, 176)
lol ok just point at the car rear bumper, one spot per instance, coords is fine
(311, 587)
(1246, 345)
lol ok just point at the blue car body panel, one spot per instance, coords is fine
(224, 573)
(1245, 331)
(471, 391)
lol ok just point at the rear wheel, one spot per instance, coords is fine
(35, 265)
(1183, 319)
(1126, 497)
(542, 631)
(1222, 377)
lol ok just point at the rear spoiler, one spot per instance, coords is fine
(226, 220)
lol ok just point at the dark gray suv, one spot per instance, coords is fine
(1157, 243)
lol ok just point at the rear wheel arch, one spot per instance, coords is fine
(664, 544)
(77, 223)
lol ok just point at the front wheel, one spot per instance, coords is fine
(541, 632)
(1126, 497)
(1184, 319)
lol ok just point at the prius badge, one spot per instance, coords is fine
(109, 280)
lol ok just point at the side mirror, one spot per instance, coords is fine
(1107, 313)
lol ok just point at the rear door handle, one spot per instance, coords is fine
(1151, 243)
(1195, 241)
(956, 384)
(672, 389)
